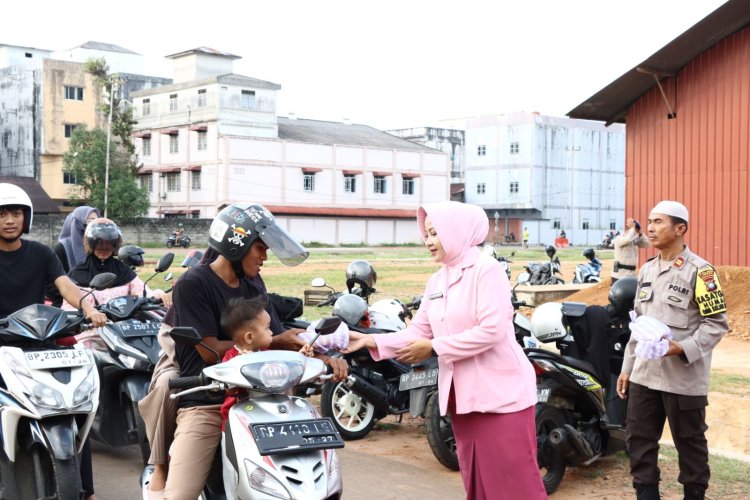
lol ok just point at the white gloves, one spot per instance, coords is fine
(652, 335)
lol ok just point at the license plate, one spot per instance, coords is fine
(138, 329)
(415, 379)
(542, 394)
(44, 360)
(291, 437)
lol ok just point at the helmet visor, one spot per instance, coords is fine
(283, 245)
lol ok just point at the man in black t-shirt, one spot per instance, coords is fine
(241, 234)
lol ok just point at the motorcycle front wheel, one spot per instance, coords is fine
(554, 280)
(185, 244)
(551, 462)
(170, 243)
(56, 478)
(440, 434)
(353, 415)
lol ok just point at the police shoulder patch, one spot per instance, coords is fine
(708, 293)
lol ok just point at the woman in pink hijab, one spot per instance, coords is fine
(485, 383)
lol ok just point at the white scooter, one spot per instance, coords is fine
(274, 445)
(48, 400)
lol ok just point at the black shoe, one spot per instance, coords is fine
(646, 491)
(694, 492)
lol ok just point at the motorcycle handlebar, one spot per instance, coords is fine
(186, 382)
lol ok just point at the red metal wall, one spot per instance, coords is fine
(701, 157)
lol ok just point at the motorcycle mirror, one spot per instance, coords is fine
(513, 253)
(523, 278)
(327, 326)
(185, 335)
(318, 282)
(102, 281)
(164, 263)
(192, 259)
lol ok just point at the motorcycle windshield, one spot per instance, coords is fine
(284, 246)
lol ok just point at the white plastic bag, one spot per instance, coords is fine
(652, 335)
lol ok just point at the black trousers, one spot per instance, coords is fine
(647, 411)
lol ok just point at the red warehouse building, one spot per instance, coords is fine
(687, 110)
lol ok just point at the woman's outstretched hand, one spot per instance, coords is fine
(357, 343)
(415, 352)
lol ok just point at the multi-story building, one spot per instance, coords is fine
(449, 141)
(46, 95)
(548, 174)
(213, 138)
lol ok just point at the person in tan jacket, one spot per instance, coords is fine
(626, 250)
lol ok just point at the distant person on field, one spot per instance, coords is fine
(526, 237)
(626, 250)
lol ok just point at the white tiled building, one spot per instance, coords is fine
(213, 138)
(547, 174)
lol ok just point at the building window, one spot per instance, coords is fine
(195, 180)
(308, 182)
(350, 183)
(173, 182)
(514, 187)
(69, 130)
(379, 186)
(69, 178)
(481, 150)
(556, 223)
(481, 188)
(74, 93)
(612, 224)
(147, 182)
(407, 185)
(174, 144)
(202, 140)
(514, 148)
(247, 99)
(202, 98)
(146, 107)
(172, 102)
(146, 146)
(28, 55)
(585, 224)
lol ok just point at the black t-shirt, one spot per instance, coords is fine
(199, 298)
(24, 274)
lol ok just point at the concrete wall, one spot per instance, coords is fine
(20, 121)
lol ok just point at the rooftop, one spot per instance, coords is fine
(108, 47)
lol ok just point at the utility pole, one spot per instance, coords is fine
(114, 79)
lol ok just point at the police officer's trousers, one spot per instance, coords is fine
(647, 411)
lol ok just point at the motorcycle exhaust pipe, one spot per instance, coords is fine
(371, 393)
(571, 444)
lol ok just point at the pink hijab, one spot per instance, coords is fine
(459, 226)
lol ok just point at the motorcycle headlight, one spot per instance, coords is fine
(119, 346)
(274, 376)
(262, 480)
(46, 397)
(85, 390)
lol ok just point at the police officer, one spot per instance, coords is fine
(682, 290)
(626, 250)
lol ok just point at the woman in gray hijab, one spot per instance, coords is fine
(69, 248)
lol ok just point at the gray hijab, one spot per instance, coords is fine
(71, 235)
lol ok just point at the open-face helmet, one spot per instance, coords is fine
(101, 229)
(351, 309)
(589, 253)
(546, 322)
(622, 294)
(550, 251)
(235, 229)
(13, 196)
(361, 278)
(131, 255)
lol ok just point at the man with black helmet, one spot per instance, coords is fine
(241, 234)
(681, 290)
(626, 250)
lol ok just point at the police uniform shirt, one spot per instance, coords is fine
(686, 295)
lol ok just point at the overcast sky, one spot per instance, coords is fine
(389, 64)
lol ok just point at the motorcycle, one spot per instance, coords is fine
(185, 240)
(49, 399)
(607, 243)
(545, 273)
(274, 445)
(579, 416)
(504, 262)
(125, 368)
(590, 271)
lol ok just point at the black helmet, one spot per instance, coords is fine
(360, 274)
(551, 251)
(350, 308)
(235, 229)
(101, 229)
(131, 255)
(589, 253)
(622, 294)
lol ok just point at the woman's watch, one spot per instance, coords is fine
(434, 354)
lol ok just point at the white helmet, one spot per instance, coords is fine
(391, 310)
(546, 322)
(12, 195)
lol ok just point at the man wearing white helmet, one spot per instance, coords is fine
(683, 291)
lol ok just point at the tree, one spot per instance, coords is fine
(122, 113)
(85, 160)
